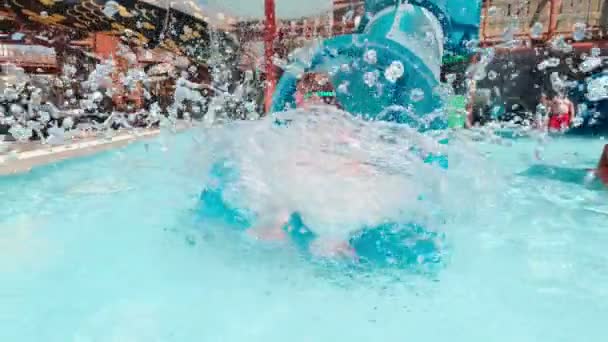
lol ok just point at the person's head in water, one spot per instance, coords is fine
(315, 89)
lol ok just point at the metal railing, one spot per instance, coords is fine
(27, 55)
(541, 20)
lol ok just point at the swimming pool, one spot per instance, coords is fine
(108, 248)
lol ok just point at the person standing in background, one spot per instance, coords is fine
(562, 113)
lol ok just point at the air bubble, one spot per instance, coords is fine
(536, 31)
(578, 31)
(394, 71)
(370, 78)
(111, 8)
(416, 95)
(343, 87)
(370, 57)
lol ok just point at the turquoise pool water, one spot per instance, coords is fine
(108, 248)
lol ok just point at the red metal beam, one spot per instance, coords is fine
(553, 17)
(270, 29)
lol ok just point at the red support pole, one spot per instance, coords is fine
(554, 7)
(270, 29)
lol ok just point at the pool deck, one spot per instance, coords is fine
(22, 157)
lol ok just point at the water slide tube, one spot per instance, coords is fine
(395, 82)
(390, 68)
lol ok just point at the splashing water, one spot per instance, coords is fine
(597, 89)
(579, 31)
(536, 31)
(394, 71)
(371, 57)
(339, 172)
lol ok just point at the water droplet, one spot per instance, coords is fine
(536, 31)
(370, 57)
(394, 71)
(560, 44)
(597, 89)
(590, 64)
(578, 31)
(549, 63)
(111, 8)
(343, 87)
(370, 78)
(17, 36)
(416, 95)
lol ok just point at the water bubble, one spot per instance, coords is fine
(16, 109)
(343, 87)
(370, 57)
(597, 89)
(578, 31)
(97, 96)
(536, 31)
(577, 121)
(590, 64)
(111, 8)
(416, 95)
(21, 133)
(560, 44)
(345, 67)
(44, 117)
(394, 71)
(492, 75)
(549, 63)
(67, 123)
(56, 136)
(370, 78)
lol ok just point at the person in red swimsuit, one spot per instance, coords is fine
(562, 113)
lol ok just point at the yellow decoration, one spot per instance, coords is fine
(123, 12)
(47, 3)
(118, 27)
(54, 19)
(148, 26)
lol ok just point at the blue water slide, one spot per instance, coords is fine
(406, 42)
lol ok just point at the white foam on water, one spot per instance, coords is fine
(340, 172)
